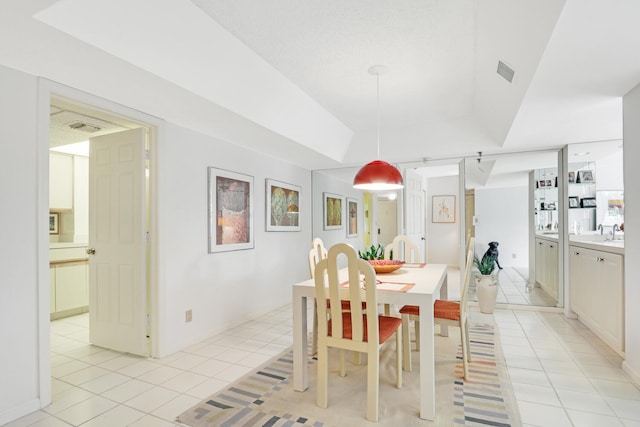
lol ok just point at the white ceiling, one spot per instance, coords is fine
(289, 78)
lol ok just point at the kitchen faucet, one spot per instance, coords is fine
(615, 228)
(601, 228)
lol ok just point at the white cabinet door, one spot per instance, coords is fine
(52, 288)
(540, 262)
(576, 280)
(71, 286)
(608, 307)
(552, 270)
(60, 181)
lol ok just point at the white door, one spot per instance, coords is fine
(117, 234)
(415, 211)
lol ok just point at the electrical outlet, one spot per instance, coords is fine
(188, 316)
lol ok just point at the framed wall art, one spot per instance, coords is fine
(352, 217)
(585, 176)
(54, 223)
(443, 209)
(574, 202)
(230, 211)
(283, 206)
(332, 211)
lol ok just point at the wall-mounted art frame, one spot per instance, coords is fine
(54, 221)
(572, 177)
(230, 211)
(585, 176)
(352, 217)
(588, 202)
(443, 209)
(283, 206)
(332, 211)
(574, 202)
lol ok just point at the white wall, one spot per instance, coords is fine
(443, 239)
(631, 107)
(503, 216)
(19, 173)
(226, 287)
(222, 289)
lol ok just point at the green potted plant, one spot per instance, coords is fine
(486, 287)
(374, 252)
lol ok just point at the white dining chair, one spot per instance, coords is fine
(360, 330)
(445, 313)
(402, 248)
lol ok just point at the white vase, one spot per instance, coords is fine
(487, 291)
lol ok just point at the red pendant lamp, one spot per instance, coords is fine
(378, 174)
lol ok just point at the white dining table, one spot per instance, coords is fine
(429, 283)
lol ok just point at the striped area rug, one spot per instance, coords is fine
(482, 400)
(265, 397)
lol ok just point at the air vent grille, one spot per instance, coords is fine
(84, 127)
(505, 71)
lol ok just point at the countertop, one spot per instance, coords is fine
(589, 241)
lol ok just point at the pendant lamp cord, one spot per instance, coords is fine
(378, 107)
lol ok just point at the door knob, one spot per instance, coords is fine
(91, 251)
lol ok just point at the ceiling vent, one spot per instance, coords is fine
(505, 71)
(84, 127)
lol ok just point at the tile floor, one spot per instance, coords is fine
(514, 289)
(562, 375)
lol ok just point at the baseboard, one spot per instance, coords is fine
(19, 411)
(632, 373)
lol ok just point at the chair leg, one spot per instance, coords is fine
(406, 343)
(343, 366)
(373, 375)
(466, 336)
(464, 344)
(322, 398)
(399, 344)
(314, 333)
(357, 358)
(417, 326)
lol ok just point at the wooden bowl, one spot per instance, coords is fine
(382, 266)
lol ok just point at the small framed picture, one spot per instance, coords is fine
(542, 183)
(585, 176)
(443, 209)
(230, 210)
(53, 223)
(352, 214)
(548, 183)
(283, 206)
(574, 202)
(572, 177)
(332, 211)
(588, 202)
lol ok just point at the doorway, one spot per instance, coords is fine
(87, 209)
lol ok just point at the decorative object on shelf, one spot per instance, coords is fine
(572, 177)
(542, 183)
(443, 209)
(486, 284)
(283, 206)
(352, 215)
(585, 176)
(588, 202)
(373, 252)
(53, 223)
(378, 174)
(230, 211)
(574, 202)
(332, 211)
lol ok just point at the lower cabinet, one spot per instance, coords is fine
(596, 282)
(547, 271)
(69, 288)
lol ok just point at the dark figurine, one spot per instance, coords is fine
(492, 252)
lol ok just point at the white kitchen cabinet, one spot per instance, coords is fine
(69, 281)
(597, 293)
(547, 270)
(60, 181)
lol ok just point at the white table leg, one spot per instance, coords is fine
(300, 376)
(427, 363)
(444, 295)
